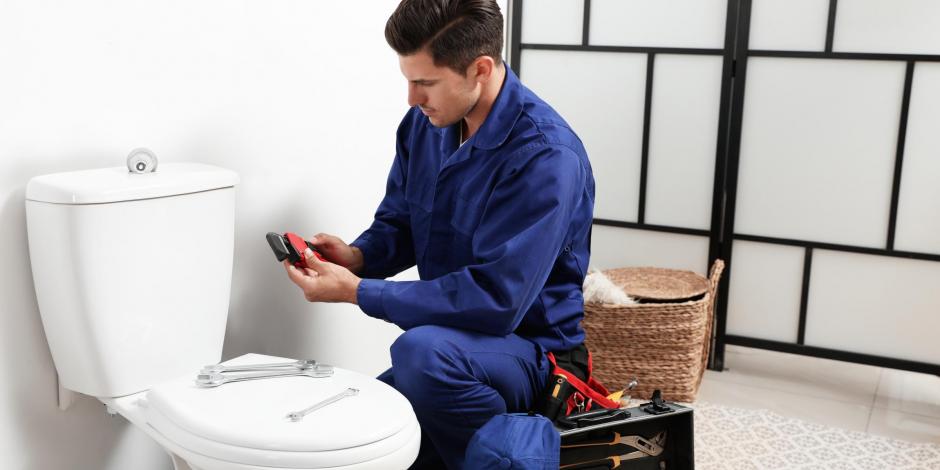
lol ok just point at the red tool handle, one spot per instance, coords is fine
(300, 246)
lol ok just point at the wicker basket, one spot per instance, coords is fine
(664, 345)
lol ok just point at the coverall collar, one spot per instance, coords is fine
(504, 113)
(498, 123)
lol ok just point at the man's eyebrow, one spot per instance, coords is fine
(424, 81)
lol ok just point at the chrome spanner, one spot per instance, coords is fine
(274, 367)
(216, 379)
(299, 415)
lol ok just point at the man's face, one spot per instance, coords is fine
(443, 95)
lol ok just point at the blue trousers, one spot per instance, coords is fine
(456, 380)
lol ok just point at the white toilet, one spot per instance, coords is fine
(133, 272)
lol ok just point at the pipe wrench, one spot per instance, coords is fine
(291, 247)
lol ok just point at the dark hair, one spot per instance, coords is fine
(455, 32)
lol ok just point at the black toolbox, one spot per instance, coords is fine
(653, 436)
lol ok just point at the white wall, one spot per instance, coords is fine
(301, 98)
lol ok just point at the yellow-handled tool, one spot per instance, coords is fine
(619, 395)
(644, 448)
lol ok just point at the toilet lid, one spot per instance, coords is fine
(252, 414)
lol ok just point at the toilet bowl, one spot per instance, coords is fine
(136, 338)
(243, 425)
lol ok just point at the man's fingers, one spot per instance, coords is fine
(327, 242)
(304, 278)
(295, 275)
(321, 239)
(313, 262)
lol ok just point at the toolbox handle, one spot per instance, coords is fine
(594, 417)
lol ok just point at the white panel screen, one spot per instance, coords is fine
(655, 23)
(918, 225)
(765, 291)
(552, 22)
(615, 247)
(683, 139)
(895, 26)
(818, 148)
(874, 305)
(601, 95)
(790, 25)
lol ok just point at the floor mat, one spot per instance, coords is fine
(735, 438)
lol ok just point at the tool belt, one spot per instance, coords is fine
(571, 388)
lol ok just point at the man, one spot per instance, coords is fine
(491, 194)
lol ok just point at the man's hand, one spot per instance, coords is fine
(337, 251)
(324, 281)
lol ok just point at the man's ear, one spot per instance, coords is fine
(481, 69)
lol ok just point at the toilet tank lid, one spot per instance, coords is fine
(104, 185)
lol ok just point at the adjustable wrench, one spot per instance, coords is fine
(274, 367)
(216, 379)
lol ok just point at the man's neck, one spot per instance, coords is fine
(474, 119)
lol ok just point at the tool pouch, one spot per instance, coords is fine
(571, 388)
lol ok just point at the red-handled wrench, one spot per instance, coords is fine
(292, 247)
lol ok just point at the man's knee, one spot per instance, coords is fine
(428, 364)
(422, 347)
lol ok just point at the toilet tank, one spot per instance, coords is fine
(132, 272)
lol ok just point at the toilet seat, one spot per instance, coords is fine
(244, 457)
(245, 422)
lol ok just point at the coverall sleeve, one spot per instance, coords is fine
(520, 235)
(387, 246)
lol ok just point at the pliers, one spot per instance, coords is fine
(644, 448)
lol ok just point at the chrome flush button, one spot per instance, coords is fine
(141, 160)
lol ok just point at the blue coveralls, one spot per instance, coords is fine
(500, 231)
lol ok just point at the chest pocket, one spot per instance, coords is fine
(466, 215)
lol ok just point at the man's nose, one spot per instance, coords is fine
(415, 96)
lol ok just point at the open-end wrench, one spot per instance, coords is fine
(299, 415)
(274, 367)
(216, 379)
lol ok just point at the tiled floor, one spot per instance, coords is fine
(886, 402)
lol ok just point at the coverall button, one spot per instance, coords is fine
(505, 463)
